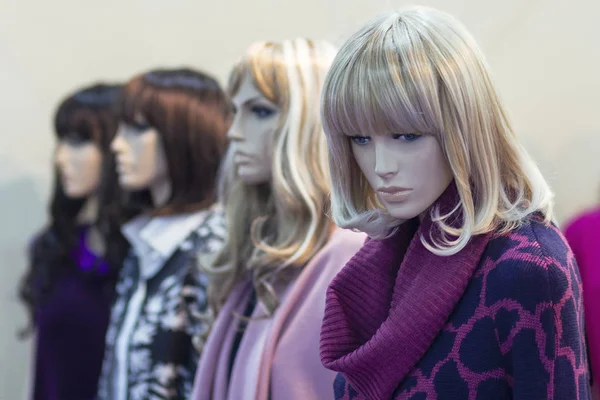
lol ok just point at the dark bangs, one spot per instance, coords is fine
(136, 100)
(89, 115)
(145, 94)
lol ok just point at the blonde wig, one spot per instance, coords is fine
(419, 70)
(278, 226)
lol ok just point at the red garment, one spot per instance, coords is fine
(583, 235)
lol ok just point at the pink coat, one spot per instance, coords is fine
(582, 234)
(278, 358)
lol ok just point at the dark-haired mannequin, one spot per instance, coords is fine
(141, 160)
(169, 143)
(69, 285)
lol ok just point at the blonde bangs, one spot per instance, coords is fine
(372, 89)
(263, 62)
(239, 70)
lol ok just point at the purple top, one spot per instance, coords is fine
(71, 326)
(500, 319)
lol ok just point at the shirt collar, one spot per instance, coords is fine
(162, 234)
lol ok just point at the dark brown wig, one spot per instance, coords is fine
(88, 115)
(191, 114)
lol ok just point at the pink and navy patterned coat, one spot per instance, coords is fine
(517, 332)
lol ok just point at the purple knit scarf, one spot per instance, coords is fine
(387, 305)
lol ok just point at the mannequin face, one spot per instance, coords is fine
(255, 122)
(79, 164)
(140, 156)
(407, 171)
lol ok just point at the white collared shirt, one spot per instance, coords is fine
(154, 240)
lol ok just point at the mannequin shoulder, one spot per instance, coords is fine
(212, 231)
(342, 245)
(343, 240)
(532, 263)
(214, 223)
(216, 216)
(330, 260)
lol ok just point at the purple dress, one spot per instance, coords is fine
(71, 328)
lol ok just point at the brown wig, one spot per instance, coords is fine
(191, 114)
(88, 115)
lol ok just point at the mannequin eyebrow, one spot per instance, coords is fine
(139, 119)
(254, 99)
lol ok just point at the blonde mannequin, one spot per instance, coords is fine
(268, 284)
(472, 292)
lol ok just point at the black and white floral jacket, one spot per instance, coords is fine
(149, 351)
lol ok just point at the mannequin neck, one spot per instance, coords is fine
(160, 192)
(88, 216)
(89, 212)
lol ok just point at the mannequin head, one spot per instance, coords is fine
(171, 137)
(275, 180)
(408, 108)
(256, 120)
(84, 125)
(79, 164)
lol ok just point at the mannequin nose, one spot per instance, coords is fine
(234, 131)
(386, 161)
(61, 155)
(233, 134)
(116, 145)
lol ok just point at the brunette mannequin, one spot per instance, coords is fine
(169, 144)
(75, 259)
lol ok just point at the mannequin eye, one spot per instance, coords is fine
(407, 137)
(140, 126)
(360, 140)
(74, 141)
(262, 111)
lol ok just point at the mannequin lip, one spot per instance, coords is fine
(120, 163)
(121, 168)
(393, 194)
(392, 189)
(241, 158)
(65, 176)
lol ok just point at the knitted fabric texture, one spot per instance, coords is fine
(503, 318)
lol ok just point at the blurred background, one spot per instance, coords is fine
(544, 55)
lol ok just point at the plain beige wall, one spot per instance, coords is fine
(544, 55)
